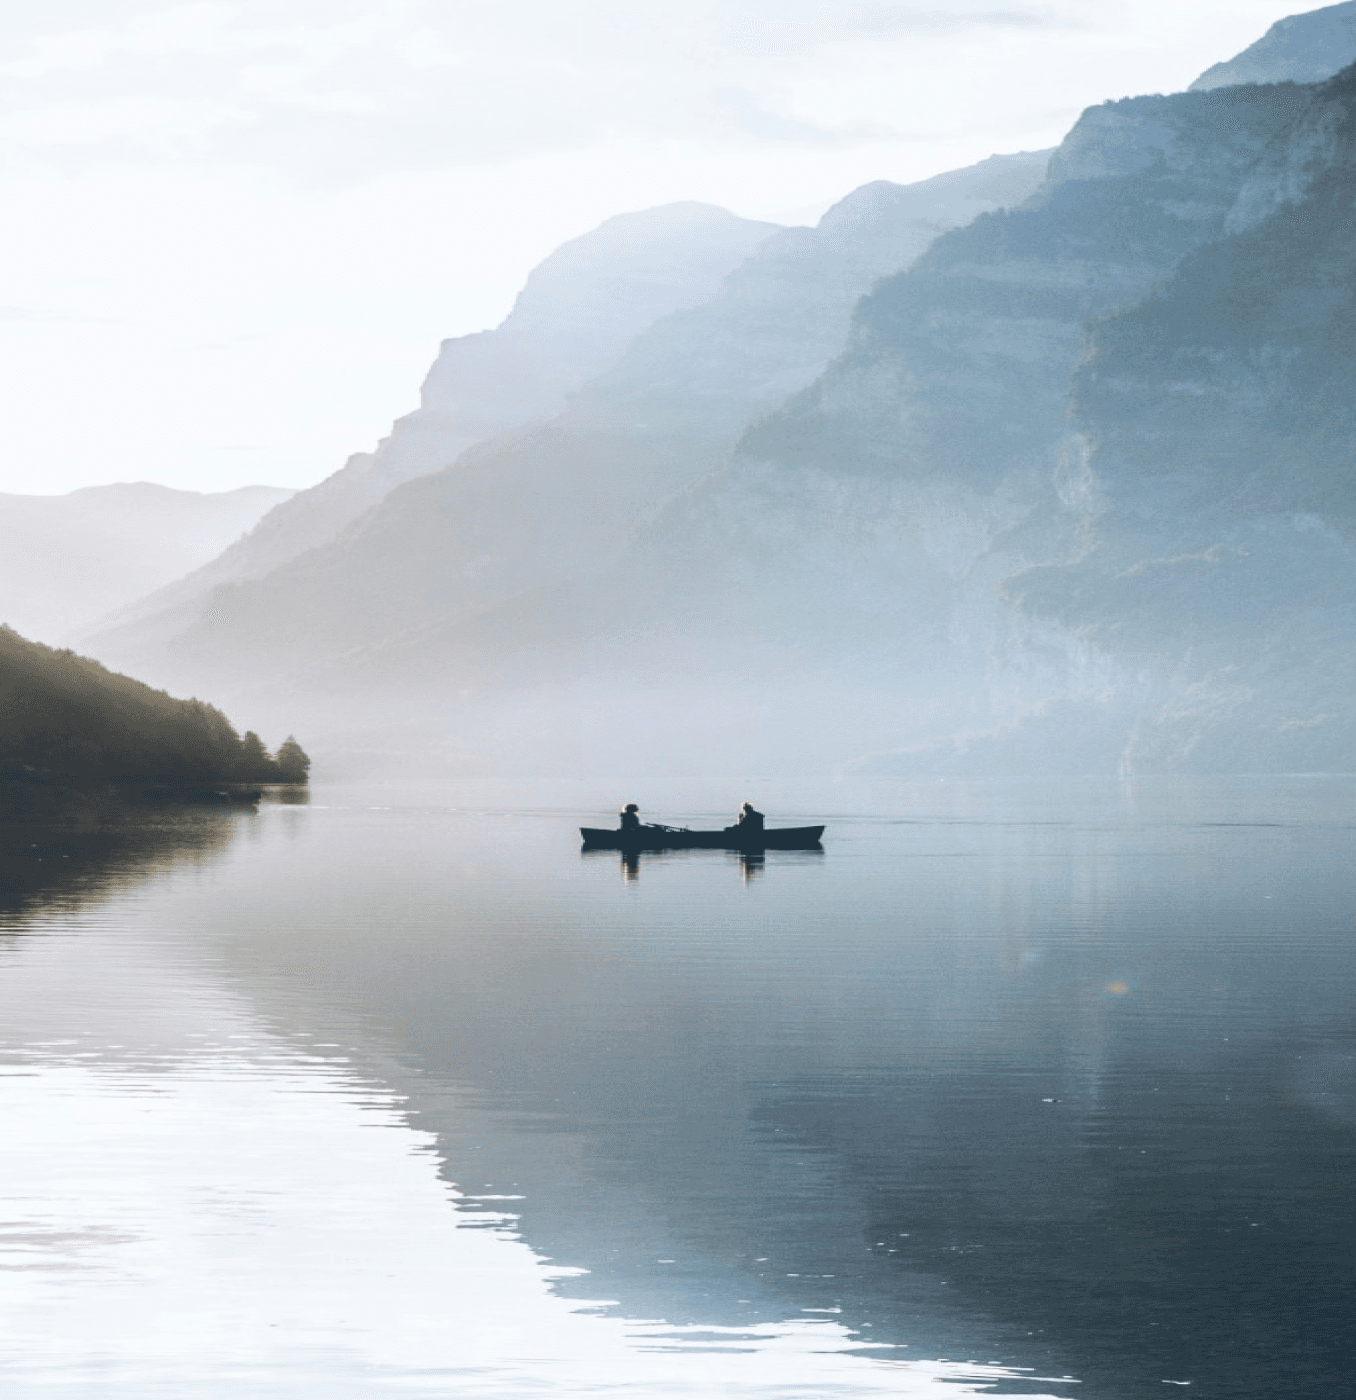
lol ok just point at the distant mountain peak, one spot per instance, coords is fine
(998, 179)
(670, 255)
(1302, 48)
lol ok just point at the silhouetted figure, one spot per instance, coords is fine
(630, 817)
(750, 821)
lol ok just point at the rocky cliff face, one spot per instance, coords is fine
(844, 575)
(1218, 432)
(534, 507)
(1125, 485)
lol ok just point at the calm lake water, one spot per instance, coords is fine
(1033, 1088)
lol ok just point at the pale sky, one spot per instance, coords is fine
(236, 230)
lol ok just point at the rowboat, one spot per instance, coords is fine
(730, 838)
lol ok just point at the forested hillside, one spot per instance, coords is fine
(65, 717)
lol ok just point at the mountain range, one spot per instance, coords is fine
(535, 506)
(575, 316)
(1039, 466)
(1301, 48)
(66, 561)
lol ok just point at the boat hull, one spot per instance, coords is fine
(787, 838)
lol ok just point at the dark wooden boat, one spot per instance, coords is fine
(730, 838)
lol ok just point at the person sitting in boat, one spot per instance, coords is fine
(749, 819)
(630, 817)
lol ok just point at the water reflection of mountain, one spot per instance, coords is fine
(1075, 1192)
(1041, 1094)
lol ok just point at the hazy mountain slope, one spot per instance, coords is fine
(1170, 586)
(1220, 431)
(574, 316)
(564, 496)
(1190, 505)
(67, 560)
(861, 531)
(847, 584)
(1303, 48)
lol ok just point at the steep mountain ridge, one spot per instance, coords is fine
(574, 316)
(1304, 48)
(1220, 443)
(1192, 504)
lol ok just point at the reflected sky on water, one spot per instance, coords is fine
(400, 1091)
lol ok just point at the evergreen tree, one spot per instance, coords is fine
(291, 762)
(255, 764)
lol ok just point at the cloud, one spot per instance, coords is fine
(339, 91)
(334, 91)
(757, 121)
(1287, 724)
(743, 108)
(782, 28)
(1213, 555)
(53, 315)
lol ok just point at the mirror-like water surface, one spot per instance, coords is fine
(1047, 1088)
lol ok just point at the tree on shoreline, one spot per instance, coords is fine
(291, 761)
(255, 764)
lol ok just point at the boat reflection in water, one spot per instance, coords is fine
(751, 862)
